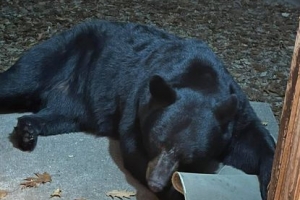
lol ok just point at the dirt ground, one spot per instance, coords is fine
(255, 40)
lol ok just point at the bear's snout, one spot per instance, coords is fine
(155, 187)
(160, 170)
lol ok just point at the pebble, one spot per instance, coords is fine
(285, 14)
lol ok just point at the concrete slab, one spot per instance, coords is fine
(264, 112)
(81, 165)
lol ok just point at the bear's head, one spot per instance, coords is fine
(182, 126)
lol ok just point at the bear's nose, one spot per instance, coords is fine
(155, 187)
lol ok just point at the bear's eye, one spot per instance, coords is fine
(224, 127)
(161, 147)
(186, 158)
(227, 127)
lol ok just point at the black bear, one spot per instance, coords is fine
(169, 100)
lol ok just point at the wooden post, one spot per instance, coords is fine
(285, 180)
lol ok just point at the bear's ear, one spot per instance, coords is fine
(161, 91)
(226, 109)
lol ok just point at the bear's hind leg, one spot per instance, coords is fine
(18, 90)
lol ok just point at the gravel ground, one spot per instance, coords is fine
(255, 40)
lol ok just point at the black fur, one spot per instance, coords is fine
(169, 100)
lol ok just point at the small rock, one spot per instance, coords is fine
(263, 74)
(285, 14)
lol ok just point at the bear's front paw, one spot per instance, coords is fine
(27, 132)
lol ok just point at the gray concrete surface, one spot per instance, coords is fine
(81, 165)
